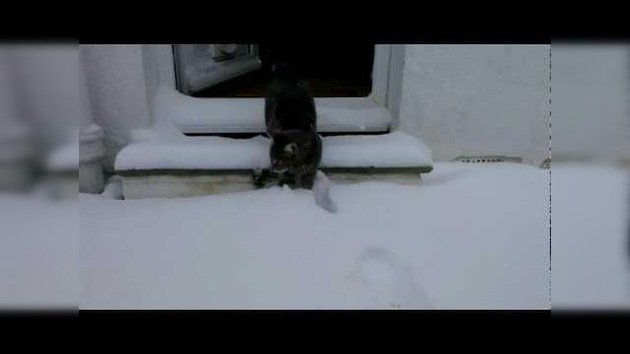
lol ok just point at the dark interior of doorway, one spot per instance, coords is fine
(332, 70)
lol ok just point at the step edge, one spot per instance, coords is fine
(201, 172)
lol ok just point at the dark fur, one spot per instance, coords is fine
(289, 104)
(291, 122)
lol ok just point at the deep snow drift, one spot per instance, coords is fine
(469, 237)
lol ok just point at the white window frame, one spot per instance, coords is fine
(375, 113)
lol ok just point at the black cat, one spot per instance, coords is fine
(289, 104)
(291, 122)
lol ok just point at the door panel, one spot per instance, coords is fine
(200, 66)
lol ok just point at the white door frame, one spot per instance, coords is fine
(376, 112)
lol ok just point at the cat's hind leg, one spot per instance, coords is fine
(287, 178)
(307, 177)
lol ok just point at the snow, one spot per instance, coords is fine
(591, 226)
(113, 189)
(209, 152)
(396, 149)
(471, 236)
(321, 192)
(191, 114)
(39, 253)
(65, 157)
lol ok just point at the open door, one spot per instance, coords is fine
(200, 66)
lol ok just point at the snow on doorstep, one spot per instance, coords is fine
(195, 153)
(471, 237)
(191, 114)
(396, 149)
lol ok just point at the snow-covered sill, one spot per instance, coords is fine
(245, 115)
(393, 150)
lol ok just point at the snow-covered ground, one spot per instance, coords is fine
(471, 236)
(39, 258)
(590, 252)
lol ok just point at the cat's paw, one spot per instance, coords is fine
(259, 177)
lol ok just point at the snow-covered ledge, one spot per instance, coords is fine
(393, 150)
(166, 165)
(162, 162)
(335, 114)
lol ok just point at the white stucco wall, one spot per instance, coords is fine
(84, 97)
(117, 91)
(590, 101)
(159, 69)
(459, 99)
(478, 99)
(45, 83)
(122, 80)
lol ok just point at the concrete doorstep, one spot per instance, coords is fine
(187, 183)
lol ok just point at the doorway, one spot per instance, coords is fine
(332, 70)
